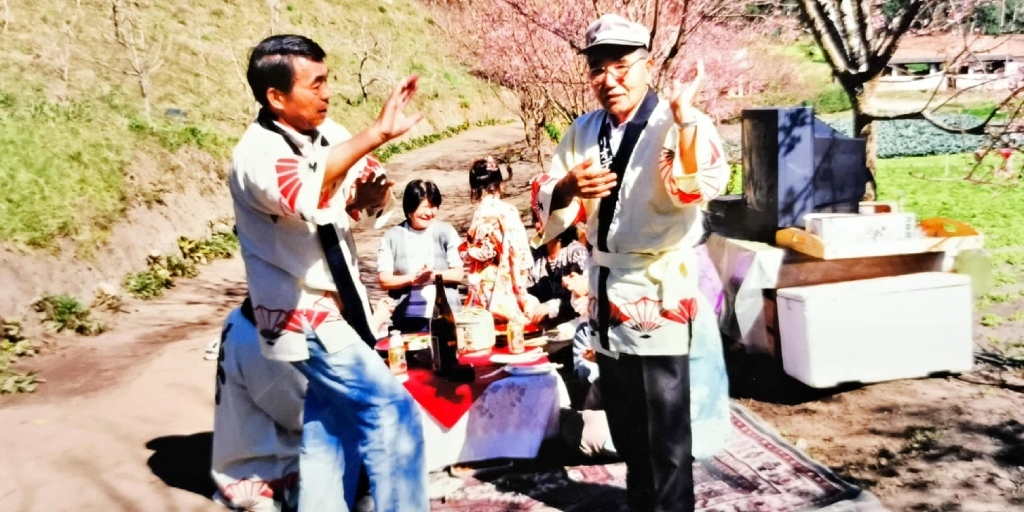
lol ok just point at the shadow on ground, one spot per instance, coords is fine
(183, 462)
(760, 377)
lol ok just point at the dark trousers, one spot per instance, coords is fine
(647, 399)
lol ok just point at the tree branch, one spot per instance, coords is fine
(826, 35)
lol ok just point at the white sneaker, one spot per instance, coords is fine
(212, 350)
(364, 504)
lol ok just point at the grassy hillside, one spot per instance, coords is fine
(79, 149)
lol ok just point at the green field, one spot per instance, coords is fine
(992, 209)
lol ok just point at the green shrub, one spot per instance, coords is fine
(148, 284)
(164, 269)
(218, 246)
(14, 346)
(918, 137)
(66, 313)
(552, 132)
(735, 185)
(833, 99)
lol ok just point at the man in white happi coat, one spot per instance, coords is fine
(640, 167)
(298, 180)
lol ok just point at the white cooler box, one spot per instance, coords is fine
(876, 329)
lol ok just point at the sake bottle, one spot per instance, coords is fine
(443, 333)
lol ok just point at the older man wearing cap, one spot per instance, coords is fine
(641, 167)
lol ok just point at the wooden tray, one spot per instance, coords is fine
(942, 235)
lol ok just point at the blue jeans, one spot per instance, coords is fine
(357, 412)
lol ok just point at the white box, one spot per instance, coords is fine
(876, 329)
(852, 228)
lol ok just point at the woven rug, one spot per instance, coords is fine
(758, 471)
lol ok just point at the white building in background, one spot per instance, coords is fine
(928, 63)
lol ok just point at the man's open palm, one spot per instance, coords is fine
(392, 120)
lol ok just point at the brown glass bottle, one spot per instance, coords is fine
(443, 333)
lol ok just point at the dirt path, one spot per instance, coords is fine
(123, 421)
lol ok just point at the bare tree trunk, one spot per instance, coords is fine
(69, 31)
(144, 89)
(275, 12)
(144, 55)
(7, 15)
(862, 101)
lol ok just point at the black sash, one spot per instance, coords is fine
(352, 303)
(606, 210)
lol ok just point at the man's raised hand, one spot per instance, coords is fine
(681, 96)
(393, 121)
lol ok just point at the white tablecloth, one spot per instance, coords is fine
(746, 269)
(510, 419)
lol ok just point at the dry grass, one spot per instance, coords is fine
(72, 109)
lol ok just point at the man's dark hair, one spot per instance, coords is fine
(418, 190)
(568, 236)
(270, 63)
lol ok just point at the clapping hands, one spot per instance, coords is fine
(423, 276)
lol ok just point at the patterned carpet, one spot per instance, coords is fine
(757, 472)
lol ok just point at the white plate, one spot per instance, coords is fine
(536, 369)
(413, 342)
(525, 357)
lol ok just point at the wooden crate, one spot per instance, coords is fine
(810, 244)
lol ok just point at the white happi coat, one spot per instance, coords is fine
(278, 205)
(257, 422)
(652, 282)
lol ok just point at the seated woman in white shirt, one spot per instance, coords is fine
(412, 252)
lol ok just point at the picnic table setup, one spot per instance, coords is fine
(834, 288)
(508, 408)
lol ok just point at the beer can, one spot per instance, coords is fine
(516, 337)
(397, 363)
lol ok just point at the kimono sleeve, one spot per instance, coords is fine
(543, 187)
(279, 390)
(711, 175)
(283, 184)
(484, 237)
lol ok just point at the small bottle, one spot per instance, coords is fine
(396, 356)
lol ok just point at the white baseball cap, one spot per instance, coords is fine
(614, 30)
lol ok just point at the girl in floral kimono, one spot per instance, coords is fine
(497, 250)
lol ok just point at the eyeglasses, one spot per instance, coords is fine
(617, 71)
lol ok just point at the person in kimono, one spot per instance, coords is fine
(299, 181)
(641, 167)
(497, 250)
(561, 257)
(257, 419)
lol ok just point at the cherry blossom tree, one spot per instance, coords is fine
(532, 48)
